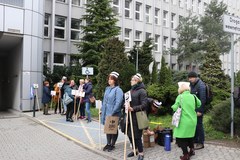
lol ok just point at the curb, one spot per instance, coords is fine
(70, 138)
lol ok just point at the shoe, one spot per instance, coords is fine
(199, 146)
(67, 119)
(131, 154)
(71, 120)
(89, 121)
(106, 147)
(47, 114)
(140, 157)
(185, 157)
(110, 148)
(191, 152)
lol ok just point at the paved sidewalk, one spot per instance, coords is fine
(88, 135)
(24, 139)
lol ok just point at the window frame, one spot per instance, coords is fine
(60, 28)
(148, 14)
(47, 25)
(76, 30)
(138, 12)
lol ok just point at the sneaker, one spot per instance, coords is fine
(199, 146)
(106, 147)
(110, 148)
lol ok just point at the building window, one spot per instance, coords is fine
(165, 43)
(148, 14)
(138, 11)
(138, 35)
(59, 59)
(165, 17)
(63, 1)
(60, 27)
(127, 37)
(156, 46)
(181, 3)
(46, 25)
(75, 29)
(128, 8)
(173, 20)
(157, 11)
(46, 58)
(173, 40)
(148, 35)
(116, 7)
(76, 2)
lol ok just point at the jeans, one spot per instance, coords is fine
(87, 105)
(199, 134)
(64, 107)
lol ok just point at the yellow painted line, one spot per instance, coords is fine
(88, 135)
(65, 135)
(155, 122)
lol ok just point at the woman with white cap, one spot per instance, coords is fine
(185, 131)
(138, 103)
(111, 106)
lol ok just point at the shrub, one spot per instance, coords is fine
(221, 117)
(165, 94)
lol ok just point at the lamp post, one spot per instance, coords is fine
(136, 43)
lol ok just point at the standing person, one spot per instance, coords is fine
(63, 81)
(185, 131)
(82, 105)
(69, 112)
(199, 89)
(87, 88)
(138, 103)
(56, 98)
(46, 97)
(112, 101)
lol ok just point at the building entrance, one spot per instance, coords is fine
(10, 71)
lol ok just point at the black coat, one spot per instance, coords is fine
(46, 96)
(139, 101)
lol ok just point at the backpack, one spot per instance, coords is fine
(209, 94)
(236, 97)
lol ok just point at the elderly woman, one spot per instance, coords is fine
(185, 131)
(112, 103)
(138, 103)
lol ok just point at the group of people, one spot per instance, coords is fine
(66, 87)
(191, 98)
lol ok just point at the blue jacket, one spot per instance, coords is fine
(46, 96)
(87, 88)
(112, 102)
(199, 89)
(68, 90)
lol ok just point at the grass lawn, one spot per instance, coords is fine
(165, 121)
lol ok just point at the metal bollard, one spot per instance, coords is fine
(167, 142)
(34, 102)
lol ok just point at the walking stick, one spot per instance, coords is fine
(133, 141)
(100, 135)
(126, 130)
(79, 104)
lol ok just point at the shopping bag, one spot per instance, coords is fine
(111, 125)
(142, 119)
(176, 117)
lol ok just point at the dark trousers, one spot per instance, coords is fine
(112, 138)
(45, 108)
(184, 143)
(58, 106)
(199, 134)
(138, 144)
(69, 112)
(82, 109)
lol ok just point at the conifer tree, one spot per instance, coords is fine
(114, 59)
(154, 73)
(165, 74)
(100, 26)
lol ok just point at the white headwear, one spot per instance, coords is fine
(115, 74)
(183, 83)
(138, 76)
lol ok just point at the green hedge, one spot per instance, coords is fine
(221, 117)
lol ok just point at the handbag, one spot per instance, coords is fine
(177, 115)
(92, 99)
(111, 125)
(67, 99)
(142, 119)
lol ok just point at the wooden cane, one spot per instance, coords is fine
(79, 104)
(51, 102)
(125, 141)
(100, 135)
(133, 141)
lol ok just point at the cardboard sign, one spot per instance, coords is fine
(128, 99)
(111, 125)
(81, 94)
(60, 84)
(74, 92)
(53, 93)
(98, 104)
(35, 86)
